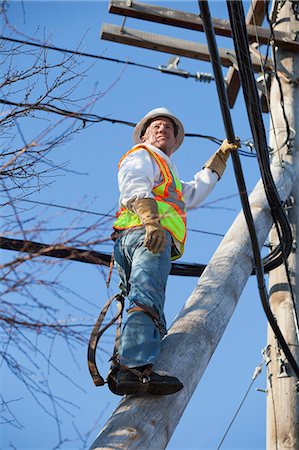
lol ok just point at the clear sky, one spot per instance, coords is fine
(90, 183)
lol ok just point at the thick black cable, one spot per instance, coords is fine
(215, 60)
(241, 43)
(84, 255)
(276, 257)
(272, 42)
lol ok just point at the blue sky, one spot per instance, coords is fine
(90, 184)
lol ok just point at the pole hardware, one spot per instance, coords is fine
(266, 352)
(172, 67)
(294, 246)
(250, 144)
(283, 373)
(295, 8)
(290, 145)
(257, 371)
(204, 77)
(123, 25)
(233, 59)
(289, 203)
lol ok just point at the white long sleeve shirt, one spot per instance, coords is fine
(139, 174)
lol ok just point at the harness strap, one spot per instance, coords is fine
(110, 270)
(149, 311)
(97, 333)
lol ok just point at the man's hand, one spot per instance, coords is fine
(217, 163)
(155, 236)
(226, 147)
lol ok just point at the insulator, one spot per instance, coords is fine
(204, 77)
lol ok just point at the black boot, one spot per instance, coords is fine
(141, 380)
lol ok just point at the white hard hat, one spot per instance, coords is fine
(158, 112)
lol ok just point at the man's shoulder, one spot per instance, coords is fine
(138, 151)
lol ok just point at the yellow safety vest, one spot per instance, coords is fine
(170, 201)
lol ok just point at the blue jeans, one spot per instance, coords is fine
(143, 277)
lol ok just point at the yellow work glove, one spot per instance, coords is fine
(217, 162)
(155, 236)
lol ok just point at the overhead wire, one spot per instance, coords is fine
(95, 118)
(76, 52)
(256, 373)
(92, 118)
(70, 208)
(199, 76)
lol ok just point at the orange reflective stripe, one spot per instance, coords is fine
(181, 213)
(126, 154)
(167, 178)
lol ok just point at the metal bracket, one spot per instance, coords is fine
(295, 8)
(266, 354)
(289, 203)
(233, 59)
(172, 67)
(283, 373)
(123, 25)
(290, 144)
(265, 391)
(294, 245)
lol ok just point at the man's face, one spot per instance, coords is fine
(160, 133)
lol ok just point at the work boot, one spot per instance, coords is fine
(148, 382)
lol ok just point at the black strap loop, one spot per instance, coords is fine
(97, 333)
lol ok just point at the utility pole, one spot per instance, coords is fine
(282, 396)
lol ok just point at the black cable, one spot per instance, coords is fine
(243, 50)
(77, 52)
(85, 255)
(241, 43)
(272, 41)
(198, 76)
(275, 258)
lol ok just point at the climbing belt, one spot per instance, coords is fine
(97, 332)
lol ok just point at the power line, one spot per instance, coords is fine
(95, 118)
(69, 208)
(61, 251)
(257, 371)
(171, 68)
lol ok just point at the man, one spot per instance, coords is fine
(150, 231)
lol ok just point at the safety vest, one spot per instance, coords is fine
(170, 201)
